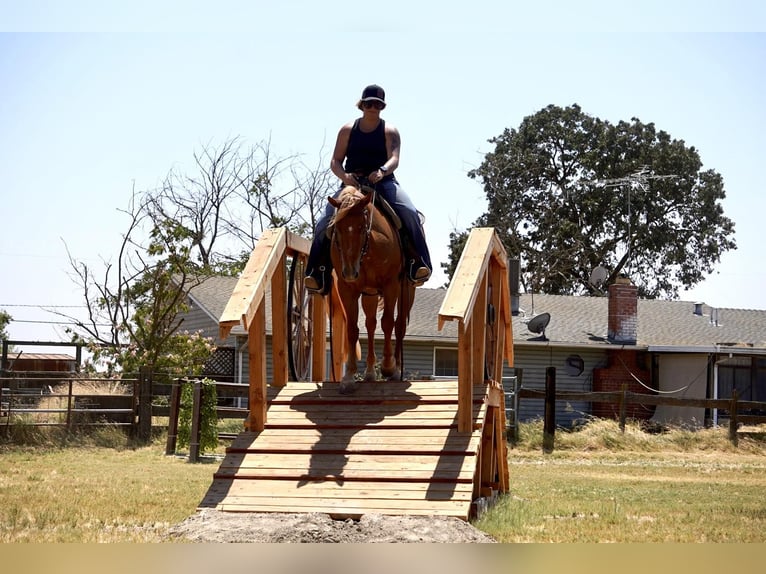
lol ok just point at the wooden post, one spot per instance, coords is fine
(549, 422)
(279, 367)
(195, 422)
(318, 338)
(144, 404)
(464, 381)
(256, 347)
(175, 407)
(69, 407)
(623, 406)
(733, 422)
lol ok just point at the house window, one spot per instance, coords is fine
(445, 362)
(745, 374)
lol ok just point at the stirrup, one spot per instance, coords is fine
(419, 275)
(314, 285)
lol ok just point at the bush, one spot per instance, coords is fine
(208, 440)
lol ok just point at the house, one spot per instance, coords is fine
(678, 348)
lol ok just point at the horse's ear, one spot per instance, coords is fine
(334, 202)
(366, 198)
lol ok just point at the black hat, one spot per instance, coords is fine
(373, 92)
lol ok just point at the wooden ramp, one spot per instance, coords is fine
(391, 448)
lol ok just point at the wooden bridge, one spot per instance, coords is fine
(433, 447)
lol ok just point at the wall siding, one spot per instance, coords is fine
(534, 361)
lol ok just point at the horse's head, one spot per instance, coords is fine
(351, 229)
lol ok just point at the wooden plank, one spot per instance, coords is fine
(350, 511)
(459, 300)
(297, 244)
(350, 474)
(401, 490)
(251, 285)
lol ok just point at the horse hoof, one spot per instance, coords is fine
(348, 387)
(396, 375)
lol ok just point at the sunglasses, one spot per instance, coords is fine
(373, 104)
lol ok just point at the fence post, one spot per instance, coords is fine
(175, 407)
(195, 422)
(144, 404)
(733, 422)
(69, 407)
(623, 406)
(549, 422)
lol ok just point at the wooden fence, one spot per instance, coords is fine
(733, 406)
(37, 399)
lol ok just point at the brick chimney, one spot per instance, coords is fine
(623, 312)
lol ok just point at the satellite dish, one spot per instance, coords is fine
(598, 276)
(538, 324)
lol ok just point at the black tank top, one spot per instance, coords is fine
(366, 150)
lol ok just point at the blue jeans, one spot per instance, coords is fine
(391, 191)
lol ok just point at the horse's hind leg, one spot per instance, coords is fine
(370, 306)
(402, 317)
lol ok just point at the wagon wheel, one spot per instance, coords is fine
(299, 307)
(490, 337)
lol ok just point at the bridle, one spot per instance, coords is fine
(367, 223)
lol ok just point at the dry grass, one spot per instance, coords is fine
(598, 486)
(601, 485)
(96, 494)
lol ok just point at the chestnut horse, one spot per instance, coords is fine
(368, 260)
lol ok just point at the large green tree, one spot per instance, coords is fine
(568, 192)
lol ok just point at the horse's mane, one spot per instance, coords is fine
(349, 198)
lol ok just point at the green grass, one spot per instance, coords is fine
(599, 485)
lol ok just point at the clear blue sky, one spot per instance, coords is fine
(105, 96)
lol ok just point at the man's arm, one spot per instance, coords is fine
(339, 155)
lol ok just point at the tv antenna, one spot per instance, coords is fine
(638, 180)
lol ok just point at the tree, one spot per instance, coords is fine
(192, 227)
(5, 320)
(568, 192)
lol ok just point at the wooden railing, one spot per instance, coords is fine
(483, 264)
(266, 269)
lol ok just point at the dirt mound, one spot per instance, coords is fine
(215, 526)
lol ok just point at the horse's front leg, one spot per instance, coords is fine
(370, 306)
(348, 383)
(388, 366)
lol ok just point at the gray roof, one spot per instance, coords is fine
(574, 320)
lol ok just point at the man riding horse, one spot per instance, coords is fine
(370, 148)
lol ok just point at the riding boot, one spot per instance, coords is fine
(416, 269)
(319, 276)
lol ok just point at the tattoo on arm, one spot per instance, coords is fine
(395, 142)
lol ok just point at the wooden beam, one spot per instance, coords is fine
(318, 337)
(479, 334)
(251, 286)
(279, 324)
(297, 244)
(256, 348)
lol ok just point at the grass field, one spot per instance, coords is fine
(599, 485)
